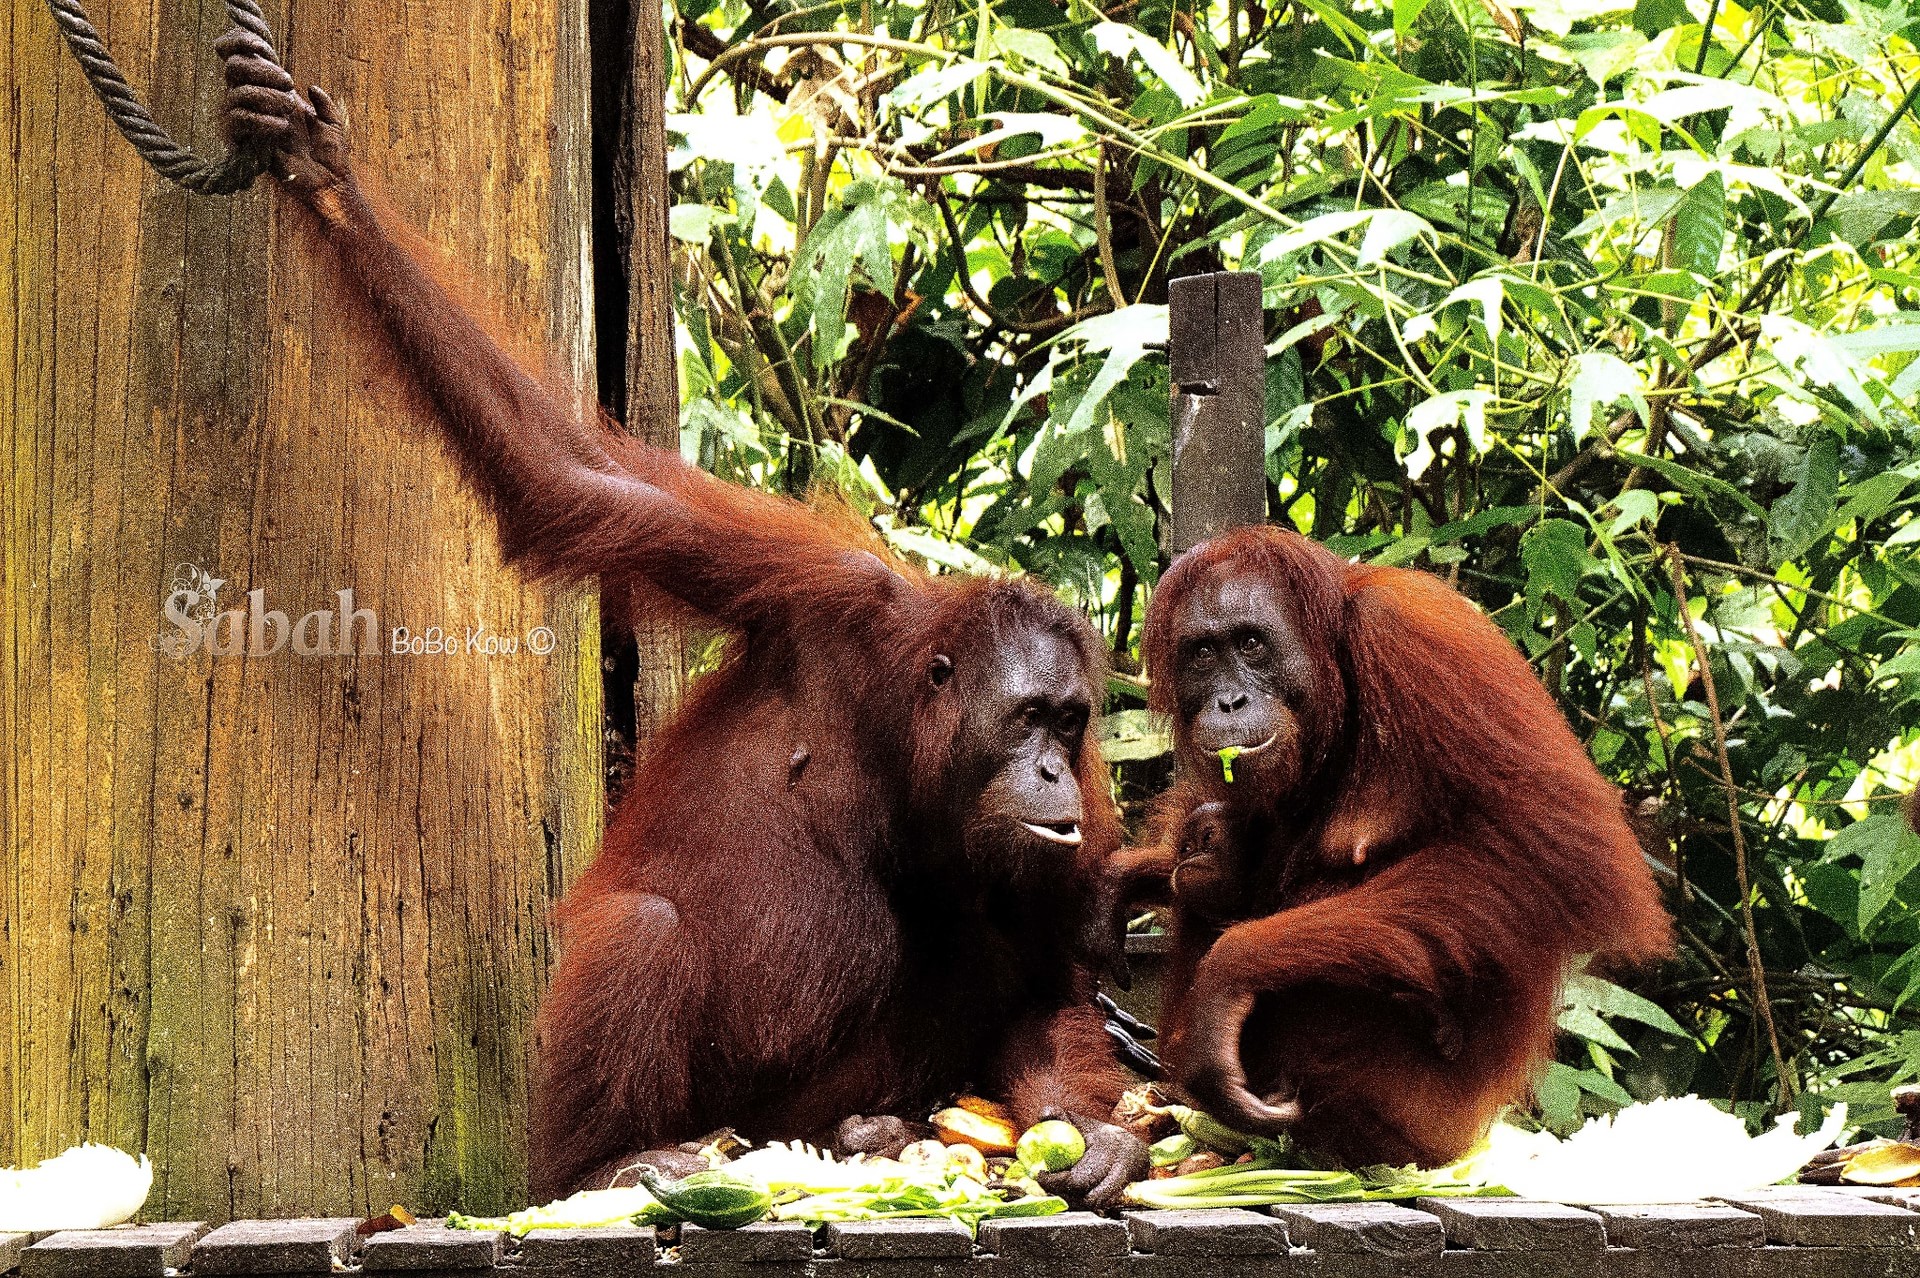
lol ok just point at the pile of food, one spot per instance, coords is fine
(976, 1166)
(1199, 1162)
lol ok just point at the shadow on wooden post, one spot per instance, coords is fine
(1218, 359)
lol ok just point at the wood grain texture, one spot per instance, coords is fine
(279, 921)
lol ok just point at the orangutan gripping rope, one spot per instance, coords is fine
(852, 874)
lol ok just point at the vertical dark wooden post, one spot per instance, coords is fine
(1215, 347)
(653, 380)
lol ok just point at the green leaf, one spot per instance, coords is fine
(831, 247)
(1605, 54)
(1032, 47)
(1124, 336)
(1863, 217)
(1582, 1022)
(1874, 496)
(1692, 481)
(1888, 850)
(1608, 999)
(1555, 554)
(1405, 14)
(1805, 514)
(1643, 209)
(1700, 226)
(1635, 506)
(1558, 16)
(918, 92)
(1800, 348)
(1558, 1094)
(1652, 17)
(1593, 1081)
(856, 230)
(1481, 524)
(1327, 228)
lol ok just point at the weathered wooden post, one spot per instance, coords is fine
(277, 916)
(1218, 357)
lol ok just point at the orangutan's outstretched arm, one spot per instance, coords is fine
(570, 501)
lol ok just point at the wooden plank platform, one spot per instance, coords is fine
(1778, 1233)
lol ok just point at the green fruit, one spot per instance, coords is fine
(717, 1199)
(1051, 1146)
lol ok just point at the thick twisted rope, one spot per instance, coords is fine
(235, 172)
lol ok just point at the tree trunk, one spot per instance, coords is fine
(279, 920)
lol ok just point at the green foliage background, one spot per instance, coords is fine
(1609, 316)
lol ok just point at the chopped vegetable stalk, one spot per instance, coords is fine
(1894, 1163)
(588, 1209)
(962, 1198)
(1261, 1182)
(1227, 755)
(1210, 1131)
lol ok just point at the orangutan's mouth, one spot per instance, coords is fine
(1067, 832)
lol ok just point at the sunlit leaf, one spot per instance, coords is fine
(1123, 336)
(924, 88)
(1557, 17)
(1118, 40)
(1488, 293)
(939, 550)
(1129, 735)
(1466, 409)
(1582, 1021)
(694, 223)
(1601, 379)
(1388, 230)
(1405, 14)
(1053, 130)
(1608, 999)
